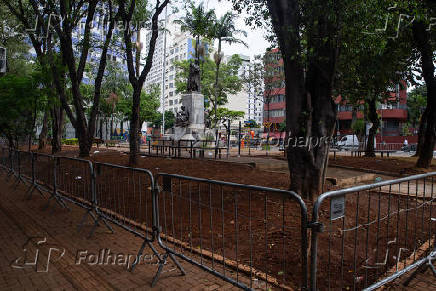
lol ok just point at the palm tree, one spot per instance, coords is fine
(224, 30)
(198, 22)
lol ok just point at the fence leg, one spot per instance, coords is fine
(141, 250)
(58, 200)
(94, 227)
(33, 189)
(96, 223)
(163, 262)
(82, 221)
(176, 262)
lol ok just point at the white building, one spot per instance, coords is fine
(245, 100)
(177, 46)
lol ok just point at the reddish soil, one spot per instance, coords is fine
(265, 228)
(210, 169)
(396, 165)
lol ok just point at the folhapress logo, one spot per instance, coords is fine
(38, 254)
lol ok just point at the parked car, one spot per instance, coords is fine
(348, 142)
(409, 148)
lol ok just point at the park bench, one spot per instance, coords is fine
(112, 143)
(358, 153)
(97, 141)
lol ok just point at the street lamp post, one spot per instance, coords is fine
(164, 70)
(2, 60)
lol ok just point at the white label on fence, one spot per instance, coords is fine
(337, 207)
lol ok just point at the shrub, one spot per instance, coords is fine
(70, 141)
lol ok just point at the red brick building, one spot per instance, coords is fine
(393, 113)
(274, 111)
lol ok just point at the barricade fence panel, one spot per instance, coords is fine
(125, 196)
(25, 164)
(14, 159)
(4, 158)
(371, 232)
(44, 170)
(74, 180)
(235, 231)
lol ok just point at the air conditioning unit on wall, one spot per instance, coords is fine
(2, 60)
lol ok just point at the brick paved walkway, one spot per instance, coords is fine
(21, 220)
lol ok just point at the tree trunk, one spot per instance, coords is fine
(135, 127)
(101, 128)
(112, 128)
(58, 117)
(422, 39)
(310, 109)
(43, 135)
(373, 118)
(421, 132)
(122, 127)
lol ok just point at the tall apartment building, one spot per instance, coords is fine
(274, 111)
(172, 46)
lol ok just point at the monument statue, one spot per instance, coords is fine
(182, 118)
(193, 78)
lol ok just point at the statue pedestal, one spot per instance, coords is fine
(194, 105)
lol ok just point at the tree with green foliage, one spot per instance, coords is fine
(170, 119)
(128, 13)
(20, 101)
(425, 43)
(370, 66)
(230, 82)
(149, 104)
(416, 104)
(308, 35)
(224, 115)
(223, 30)
(58, 31)
(199, 23)
(12, 38)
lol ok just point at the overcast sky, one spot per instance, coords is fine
(255, 38)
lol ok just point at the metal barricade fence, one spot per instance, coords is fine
(231, 230)
(5, 162)
(44, 171)
(25, 165)
(45, 178)
(369, 233)
(74, 180)
(125, 196)
(75, 183)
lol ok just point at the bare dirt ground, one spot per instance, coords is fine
(210, 169)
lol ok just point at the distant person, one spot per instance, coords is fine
(406, 143)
